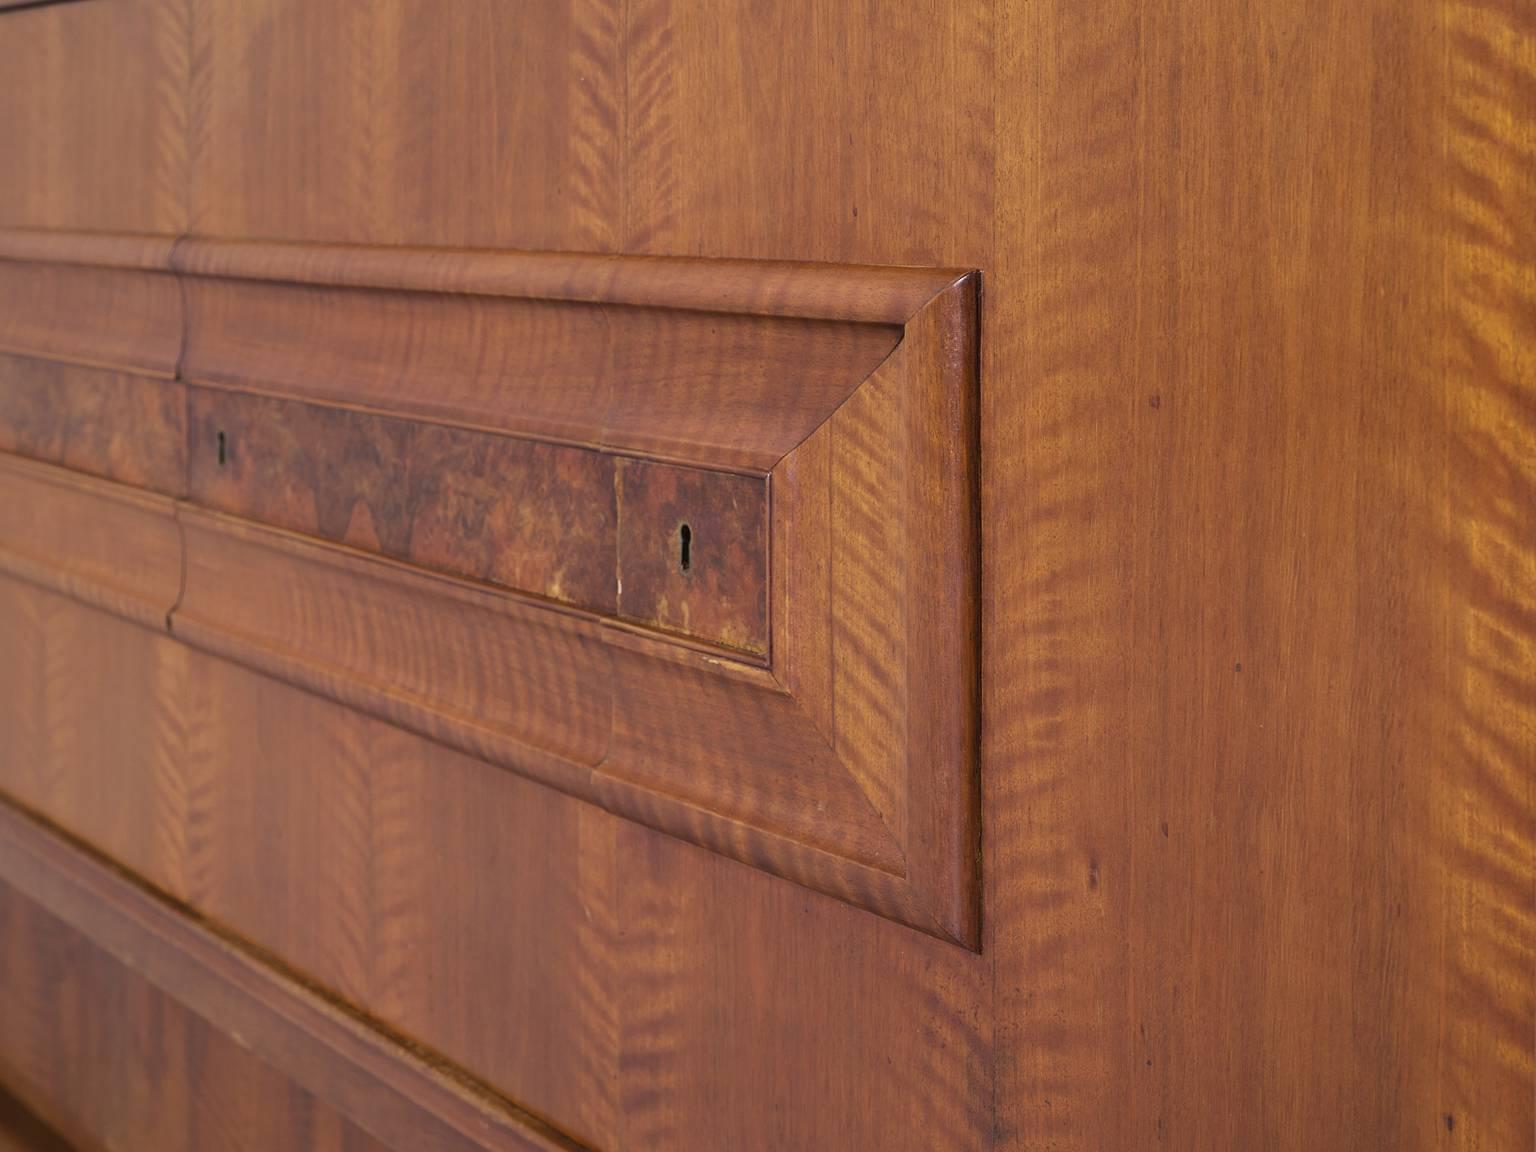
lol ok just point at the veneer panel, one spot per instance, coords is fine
(569, 571)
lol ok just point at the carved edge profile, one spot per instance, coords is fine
(938, 888)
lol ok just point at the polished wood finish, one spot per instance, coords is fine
(369, 1081)
(718, 364)
(1257, 472)
(411, 881)
(114, 425)
(575, 526)
(1258, 828)
(540, 518)
(104, 544)
(740, 750)
(115, 317)
(108, 1061)
(94, 114)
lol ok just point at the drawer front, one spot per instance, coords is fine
(731, 602)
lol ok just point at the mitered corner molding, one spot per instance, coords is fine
(696, 541)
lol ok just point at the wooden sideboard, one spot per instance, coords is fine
(630, 574)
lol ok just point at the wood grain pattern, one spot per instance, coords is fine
(412, 881)
(1259, 829)
(883, 814)
(408, 876)
(93, 116)
(784, 289)
(515, 682)
(708, 750)
(538, 518)
(693, 553)
(107, 317)
(723, 364)
(114, 425)
(104, 544)
(544, 519)
(234, 1005)
(410, 123)
(857, 131)
(679, 740)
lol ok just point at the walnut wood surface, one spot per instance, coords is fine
(1259, 830)
(114, 425)
(573, 525)
(717, 525)
(540, 518)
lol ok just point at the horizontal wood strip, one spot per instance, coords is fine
(382, 1087)
(863, 295)
(115, 425)
(718, 363)
(115, 317)
(734, 392)
(106, 545)
(538, 518)
(551, 696)
(142, 251)
(516, 683)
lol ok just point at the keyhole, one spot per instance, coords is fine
(223, 452)
(685, 547)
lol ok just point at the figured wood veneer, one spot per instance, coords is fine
(264, 1019)
(578, 526)
(116, 425)
(695, 541)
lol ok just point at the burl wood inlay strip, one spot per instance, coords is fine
(537, 518)
(693, 549)
(110, 424)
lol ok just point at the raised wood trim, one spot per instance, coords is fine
(809, 707)
(373, 1080)
(144, 252)
(112, 547)
(861, 295)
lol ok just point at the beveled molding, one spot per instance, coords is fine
(449, 488)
